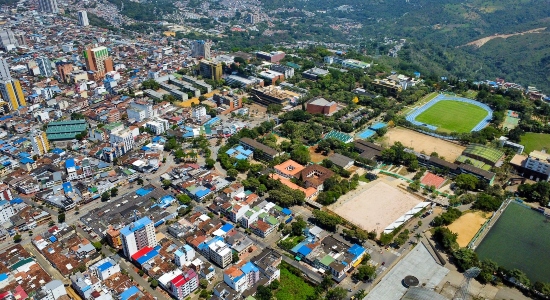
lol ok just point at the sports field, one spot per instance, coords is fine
(535, 141)
(519, 240)
(467, 226)
(453, 116)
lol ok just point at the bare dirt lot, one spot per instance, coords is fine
(467, 226)
(315, 156)
(422, 142)
(374, 206)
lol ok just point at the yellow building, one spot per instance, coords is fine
(12, 93)
(40, 143)
(211, 70)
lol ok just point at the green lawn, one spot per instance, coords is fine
(293, 287)
(535, 141)
(453, 116)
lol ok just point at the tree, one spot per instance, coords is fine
(336, 293)
(326, 283)
(139, 181)
(235, 257)
(263, 293)
(274, 108)
(232, 173)
(274, 284)
(261, 189)
(301, 155)
(446, 238)
(326, 220)
(183, 199)
(386, 238)
(365, 272)
(105, 196)
(97, 245)
(114, 192)
(520, 277)
(381, 131)
(466, 182)
(166, 183)
(150, 84)
(486, 202)
(61, 218)
(203, 283)
(298, 226)
(209, 163)
(465, 258)
(17, 238)
(154, 284)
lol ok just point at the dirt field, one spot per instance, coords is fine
(482, 41)
(422, 142)
(375, 205)
(467, 226)
(316, 157)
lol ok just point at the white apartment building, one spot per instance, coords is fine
(124, 139)
(105, 268)
(140, 110)
(53, 290)
(6, 211)
(198, 112)
(138, 235)
(83, 18)
(158, 126)
(220, 253)
(184, 255)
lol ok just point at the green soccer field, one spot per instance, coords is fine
(453, 116)
(535, 141)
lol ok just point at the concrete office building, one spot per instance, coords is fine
(83, 18)
(9, 40)
(201, 48)
(12, 94)
(45, 66)
(138, 235)
(48, 6)
(98, 60)
(40, 142)
(211, 70)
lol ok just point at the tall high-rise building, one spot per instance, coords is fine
(98, 60)
(64, 69)
(4, 69)
(40, 142)
(83, 18)
(45, 66)
(10, 89)
(138, 235)
(211, 70)
(201, 48)
(49, 6)
(8, 40)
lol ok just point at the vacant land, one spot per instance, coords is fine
(453, 116)
(535, 141)
(483, 41)
(467, 226)
(293, 287)
(422, 143)
(375, 206)
(316, 157)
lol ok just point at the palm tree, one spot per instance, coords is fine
(417, 236)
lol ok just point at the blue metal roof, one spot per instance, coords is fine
(137, 225)
(201, 193)
(67, 187)
(69, 163)
(3, 276)
(227, 227)
(127, 294)
(53, 239)
(249, 267)
(104, 266)
(356, 250)
(143, 191)
(304, 250)
(286, 211)
(230, 151)
(241, 156)
(147, 256)
(26, 160)
(57, 151)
